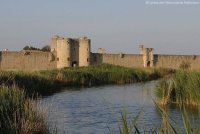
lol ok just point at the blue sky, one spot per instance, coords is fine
(116, 25)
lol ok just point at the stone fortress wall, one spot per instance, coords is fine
(176, 61)
(27, 60)
(147, 58)
(70, 52)
(127, 60)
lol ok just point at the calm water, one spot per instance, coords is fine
(98, 109)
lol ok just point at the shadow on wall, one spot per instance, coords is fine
(96, 58)
(155, 59)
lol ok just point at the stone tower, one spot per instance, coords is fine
(54, 43)
(63, 52)
(84, 51)
(71, 52)
(148, 56)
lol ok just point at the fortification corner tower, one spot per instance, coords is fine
(84, 51)
(63, 51)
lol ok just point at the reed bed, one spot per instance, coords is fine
(98, 74)
(50, 81)
(105, 74)
(18, 114)
(32, 83)
(167, 125)
(182, 88)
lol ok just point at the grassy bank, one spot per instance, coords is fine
(103, 74)
(32, 82)
(18, 114)
(182, 88)
(49, 81)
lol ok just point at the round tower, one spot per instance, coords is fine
(63, 53)
(54, 43)
(84, 51)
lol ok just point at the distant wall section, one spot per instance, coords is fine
(177, 61)
(127, 60)
(27, 61)
(136, 60)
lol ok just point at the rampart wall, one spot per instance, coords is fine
(176, 61)
(127, 60)
(27, 61)
(37, 60)
(71, 52)
(160, 61)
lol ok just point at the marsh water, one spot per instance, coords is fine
(99, 109)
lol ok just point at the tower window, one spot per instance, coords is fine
(74, 49)
(57, 59)
(68, 59)
(87, 60)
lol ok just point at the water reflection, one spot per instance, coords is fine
(97, 109)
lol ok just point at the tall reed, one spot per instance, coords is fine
(32, 82)
(167, 125)
(18, 114)
(182, 88)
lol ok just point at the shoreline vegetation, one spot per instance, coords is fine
(19, 114)
(50, 81)
(166, 126)
(182, 88)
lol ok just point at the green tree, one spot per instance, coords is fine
(46, 48)
(26, 48)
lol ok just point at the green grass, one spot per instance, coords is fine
(18, 114)
(182, 88)
(32, 83)
(129, 127)
(50, 81)
(167, 125)
(99, 74)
